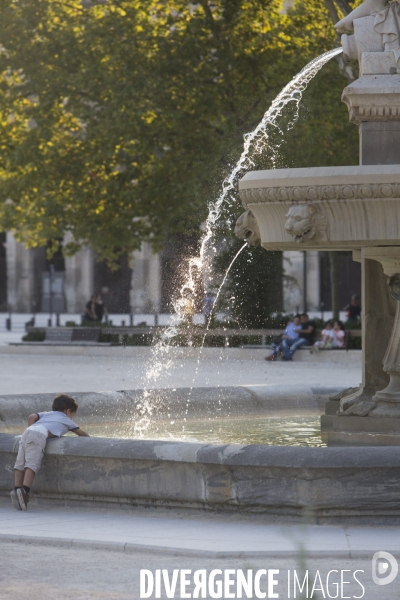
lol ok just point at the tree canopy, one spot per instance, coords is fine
(118, 122)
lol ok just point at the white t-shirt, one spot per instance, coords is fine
(338, 341)
(56, 422)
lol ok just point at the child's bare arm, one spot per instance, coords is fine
(80, 432)
(32, 419)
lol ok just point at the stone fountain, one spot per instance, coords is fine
(357, 208)
(354, 208)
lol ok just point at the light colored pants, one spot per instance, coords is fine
(31, 450)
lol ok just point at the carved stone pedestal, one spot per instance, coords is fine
(363, 418)
(388, 399)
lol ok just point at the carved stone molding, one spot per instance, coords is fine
(373, 98)
(319, 192)
(367, 112)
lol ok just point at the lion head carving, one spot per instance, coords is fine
(305, 222)
(247, 229)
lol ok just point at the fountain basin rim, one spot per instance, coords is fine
(280, 457)
(223, 401)
(321, 176)
(336, 484)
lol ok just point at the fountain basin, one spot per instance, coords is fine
(329, 484)
(286, 415)
(326, 207)
(202, 402)
(357, 485)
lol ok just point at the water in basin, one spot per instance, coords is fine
(281, 431)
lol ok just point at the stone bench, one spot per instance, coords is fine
(92, 334)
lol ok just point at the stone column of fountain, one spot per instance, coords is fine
(374, 105)
(356, 208)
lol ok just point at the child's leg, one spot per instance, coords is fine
(28, 463)
(19, 467)
(18, 478)
(19, 472)
(22, 492)
(28, 478)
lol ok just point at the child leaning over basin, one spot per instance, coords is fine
(41, 427)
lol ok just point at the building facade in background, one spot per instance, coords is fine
(308, 284)
(145, 282)
(27, 278)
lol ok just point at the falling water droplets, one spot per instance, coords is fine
(255, 143)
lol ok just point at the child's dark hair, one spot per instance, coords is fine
(64, 402)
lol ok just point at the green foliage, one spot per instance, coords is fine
(34, 336)
(254, 288)
(119, 123)
(137, 340)
(94, 324)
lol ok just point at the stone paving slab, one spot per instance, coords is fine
(33, 374)
(194, 535)
(96, 573)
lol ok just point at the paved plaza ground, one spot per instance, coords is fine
(54, 368)
(119, 368)
(48, 553)
(44, 573)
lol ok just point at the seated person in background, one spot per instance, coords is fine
(90, 313)
(339, 335)
(99, 308)
(327, 336)
(353, 310)
(208, 305)
(291, 332)
(306, 338)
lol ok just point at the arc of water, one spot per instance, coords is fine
(222, 285)
(291, 93)
(255, 140)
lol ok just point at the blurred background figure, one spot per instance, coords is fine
(327, 336)
(90, 312)
(292, 332)
(339, 335)
(353, 310)
(100, 309)
(208, 305)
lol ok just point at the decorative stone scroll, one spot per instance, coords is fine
(319, 193)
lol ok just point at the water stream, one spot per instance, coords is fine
(255, 143)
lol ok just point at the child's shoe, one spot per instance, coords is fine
(14, 500)
(23, 498)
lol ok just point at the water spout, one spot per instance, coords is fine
(257, 140)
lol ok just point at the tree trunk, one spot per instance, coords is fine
(333, 259)
(333, 14)
(344, 6)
